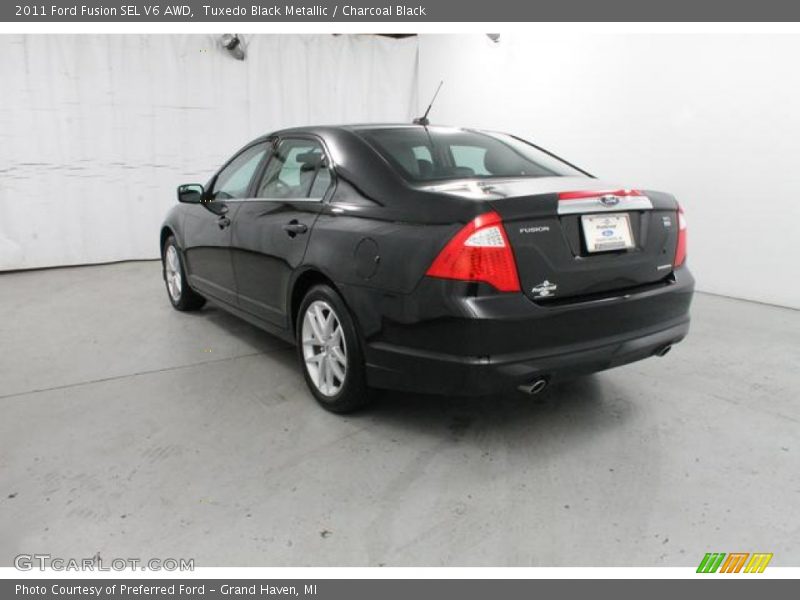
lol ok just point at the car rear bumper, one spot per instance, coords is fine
(440, 374)
(439, 340)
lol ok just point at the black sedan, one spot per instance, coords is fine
(430, 259)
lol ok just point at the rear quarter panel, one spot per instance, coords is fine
(362, 250)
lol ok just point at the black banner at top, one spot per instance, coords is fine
(409, 11)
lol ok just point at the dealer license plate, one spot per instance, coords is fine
(607, 232)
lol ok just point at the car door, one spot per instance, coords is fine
(208, 229)
(272, 230)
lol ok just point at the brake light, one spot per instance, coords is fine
(480, 251)
(583, 194)
(680, 250)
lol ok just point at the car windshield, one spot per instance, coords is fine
(437, 154)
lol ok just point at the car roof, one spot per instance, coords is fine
(354, 127)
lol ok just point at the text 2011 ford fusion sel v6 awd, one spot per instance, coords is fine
(430, 259)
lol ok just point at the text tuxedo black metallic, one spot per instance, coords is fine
(430, 259)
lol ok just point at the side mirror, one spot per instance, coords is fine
(191, 193)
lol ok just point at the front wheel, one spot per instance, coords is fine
(330, 351)
(180, 294)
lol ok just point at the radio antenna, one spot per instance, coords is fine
(423, 120)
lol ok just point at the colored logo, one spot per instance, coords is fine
(735, 562)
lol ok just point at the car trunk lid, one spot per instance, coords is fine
(574, 236)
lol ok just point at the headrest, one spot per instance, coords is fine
(425, 168)
(309, 161)
(493, 162)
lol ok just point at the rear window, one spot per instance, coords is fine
(436, 154)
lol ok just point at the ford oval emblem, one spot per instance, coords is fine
(609, 200)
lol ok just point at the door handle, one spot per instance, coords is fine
(294, 227)
(223, 222)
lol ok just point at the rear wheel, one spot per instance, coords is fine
(180, 294)
(330, 351)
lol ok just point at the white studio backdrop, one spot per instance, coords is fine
(714, 119)
(96, 131)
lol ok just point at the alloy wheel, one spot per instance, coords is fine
(324, 348)
(172, 270)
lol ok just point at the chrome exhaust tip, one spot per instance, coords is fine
(534, 387)
(664, 350)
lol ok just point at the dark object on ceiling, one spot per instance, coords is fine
(233, 44)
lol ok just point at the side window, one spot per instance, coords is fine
(234, 180)
(297, 169)
(470, 157)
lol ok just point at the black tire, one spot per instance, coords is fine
(353, 392)
(183, 297)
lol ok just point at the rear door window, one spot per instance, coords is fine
(297, 169)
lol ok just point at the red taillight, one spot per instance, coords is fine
(680, 250)
(582, 194)
(479, 252)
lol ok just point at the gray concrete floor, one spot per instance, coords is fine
(132, 430)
